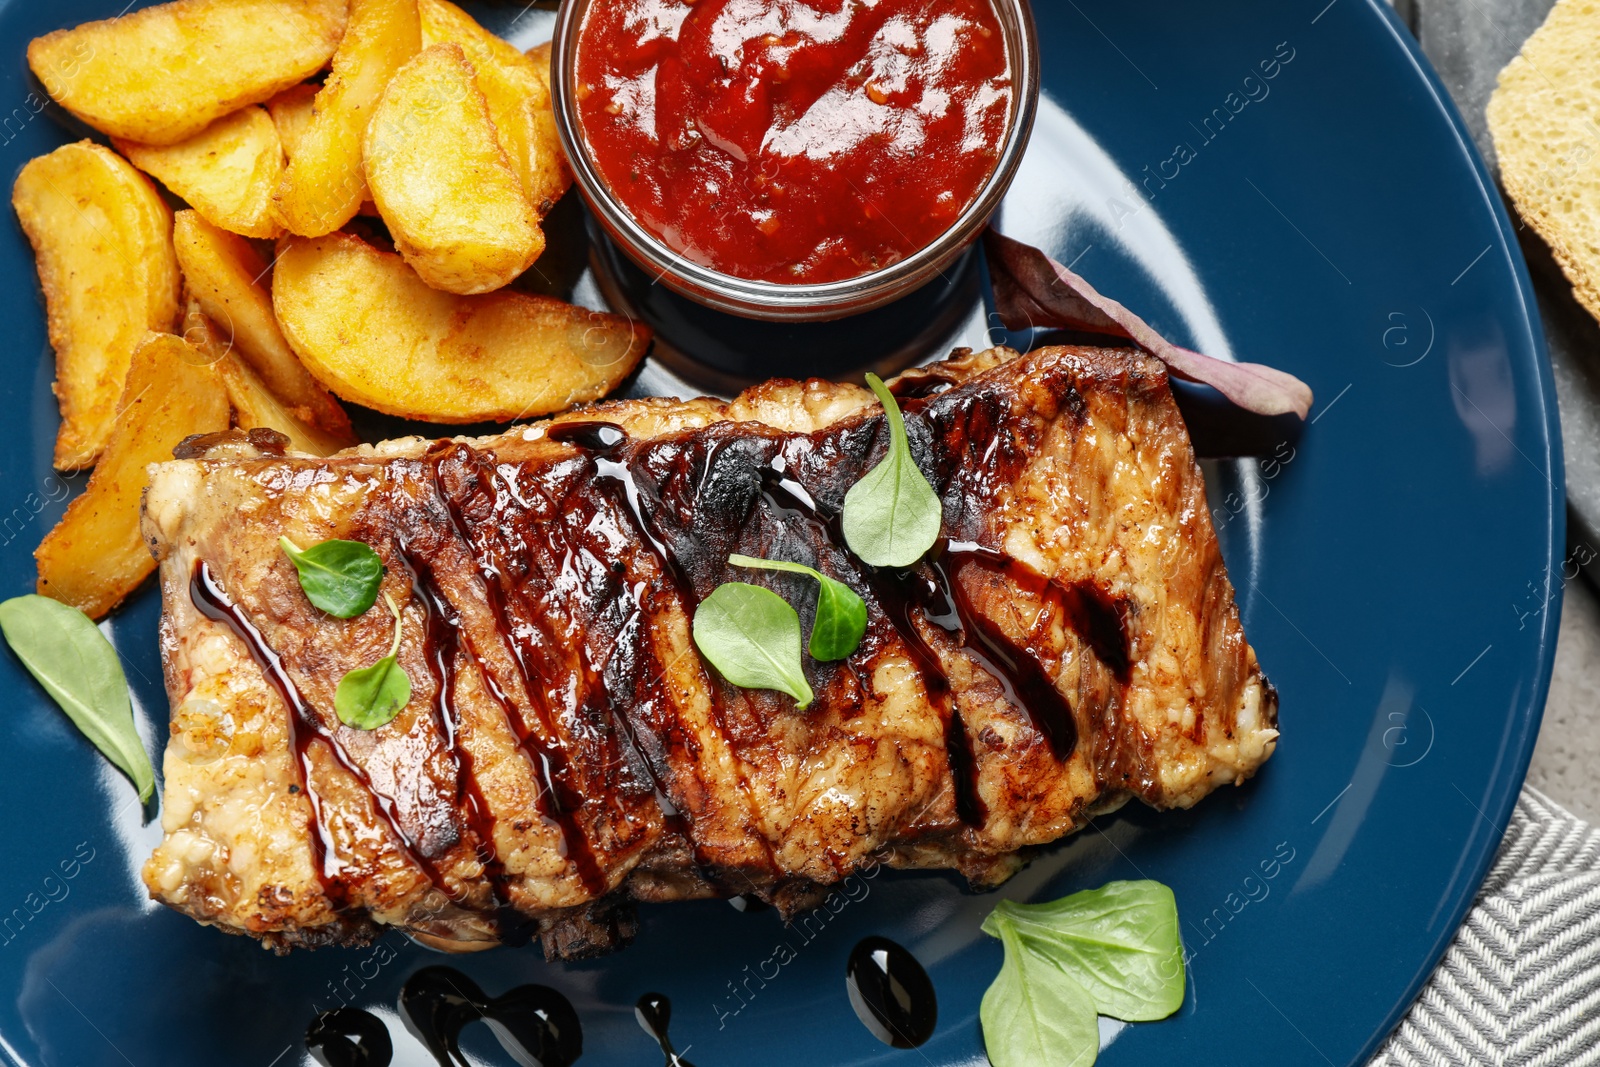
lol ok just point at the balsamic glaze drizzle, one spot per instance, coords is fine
(786, 497)
(932, 591)
(305, 727)
(1026, 684)
(535, 1024)
(935, 592)
(349, 1037)
(600, 442)
(932, 594)
(542, 746)
(891, 993)
(442, 642)
(896, 592)
(654, 1013)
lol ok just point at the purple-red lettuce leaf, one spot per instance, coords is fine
(1031, 289)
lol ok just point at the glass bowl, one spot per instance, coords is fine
(776, 301)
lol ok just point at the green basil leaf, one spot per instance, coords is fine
(1120, 942)
(841, 619)
(71, 658)
(1035, 1013)
(892, 515)
(340, 577)
(372, 696)
(752, 637)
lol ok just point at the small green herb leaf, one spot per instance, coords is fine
(72, 659)
(1121, 938)
(1035, 1013)
(752, 636)
(1114, 949)
(340, 577)
(372, 696)
(892, 515)
(841, 619)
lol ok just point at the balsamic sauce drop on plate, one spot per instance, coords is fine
(349, 1037)
(891, 993)
(535, 1024)
(654, 1013)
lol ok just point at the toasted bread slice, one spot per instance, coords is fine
(1545, 119)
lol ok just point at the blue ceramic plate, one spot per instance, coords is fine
(1398, 567)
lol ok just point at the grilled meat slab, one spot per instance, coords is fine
(1074, 643)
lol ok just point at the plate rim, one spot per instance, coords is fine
(1505, 790)
(1506, 780)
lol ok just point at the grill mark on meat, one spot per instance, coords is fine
(475, 482)
(791, 501)
(970, 487)
(609, 450)
(305, 726)
(442, 646)
(929, 590)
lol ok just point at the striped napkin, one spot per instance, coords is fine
(1520, 985)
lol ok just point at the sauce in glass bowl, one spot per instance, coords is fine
(793, 141)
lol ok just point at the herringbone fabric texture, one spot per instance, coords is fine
(1520, 987)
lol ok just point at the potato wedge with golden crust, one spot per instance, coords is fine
(291, 114)
(165, 73)
(323, 186)
(376, 334)
(442, 183)
(102, 237)
(225, 275)
(253, 404)
(554, 174)
(517, 88)
(95, 556)
(227, 172)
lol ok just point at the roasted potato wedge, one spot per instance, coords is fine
(291, 114)
(253, 404)
(163, 74)
(323, 186)
(102, 238)
(555, 173)
(376, 334)
(95, 556)
(227, 172)
(517, 89)
(442, 183)
(225, 274)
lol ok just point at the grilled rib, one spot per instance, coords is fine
(1073, 642)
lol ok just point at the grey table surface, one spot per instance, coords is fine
(1469, 41)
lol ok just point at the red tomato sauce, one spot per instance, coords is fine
(796, 141)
